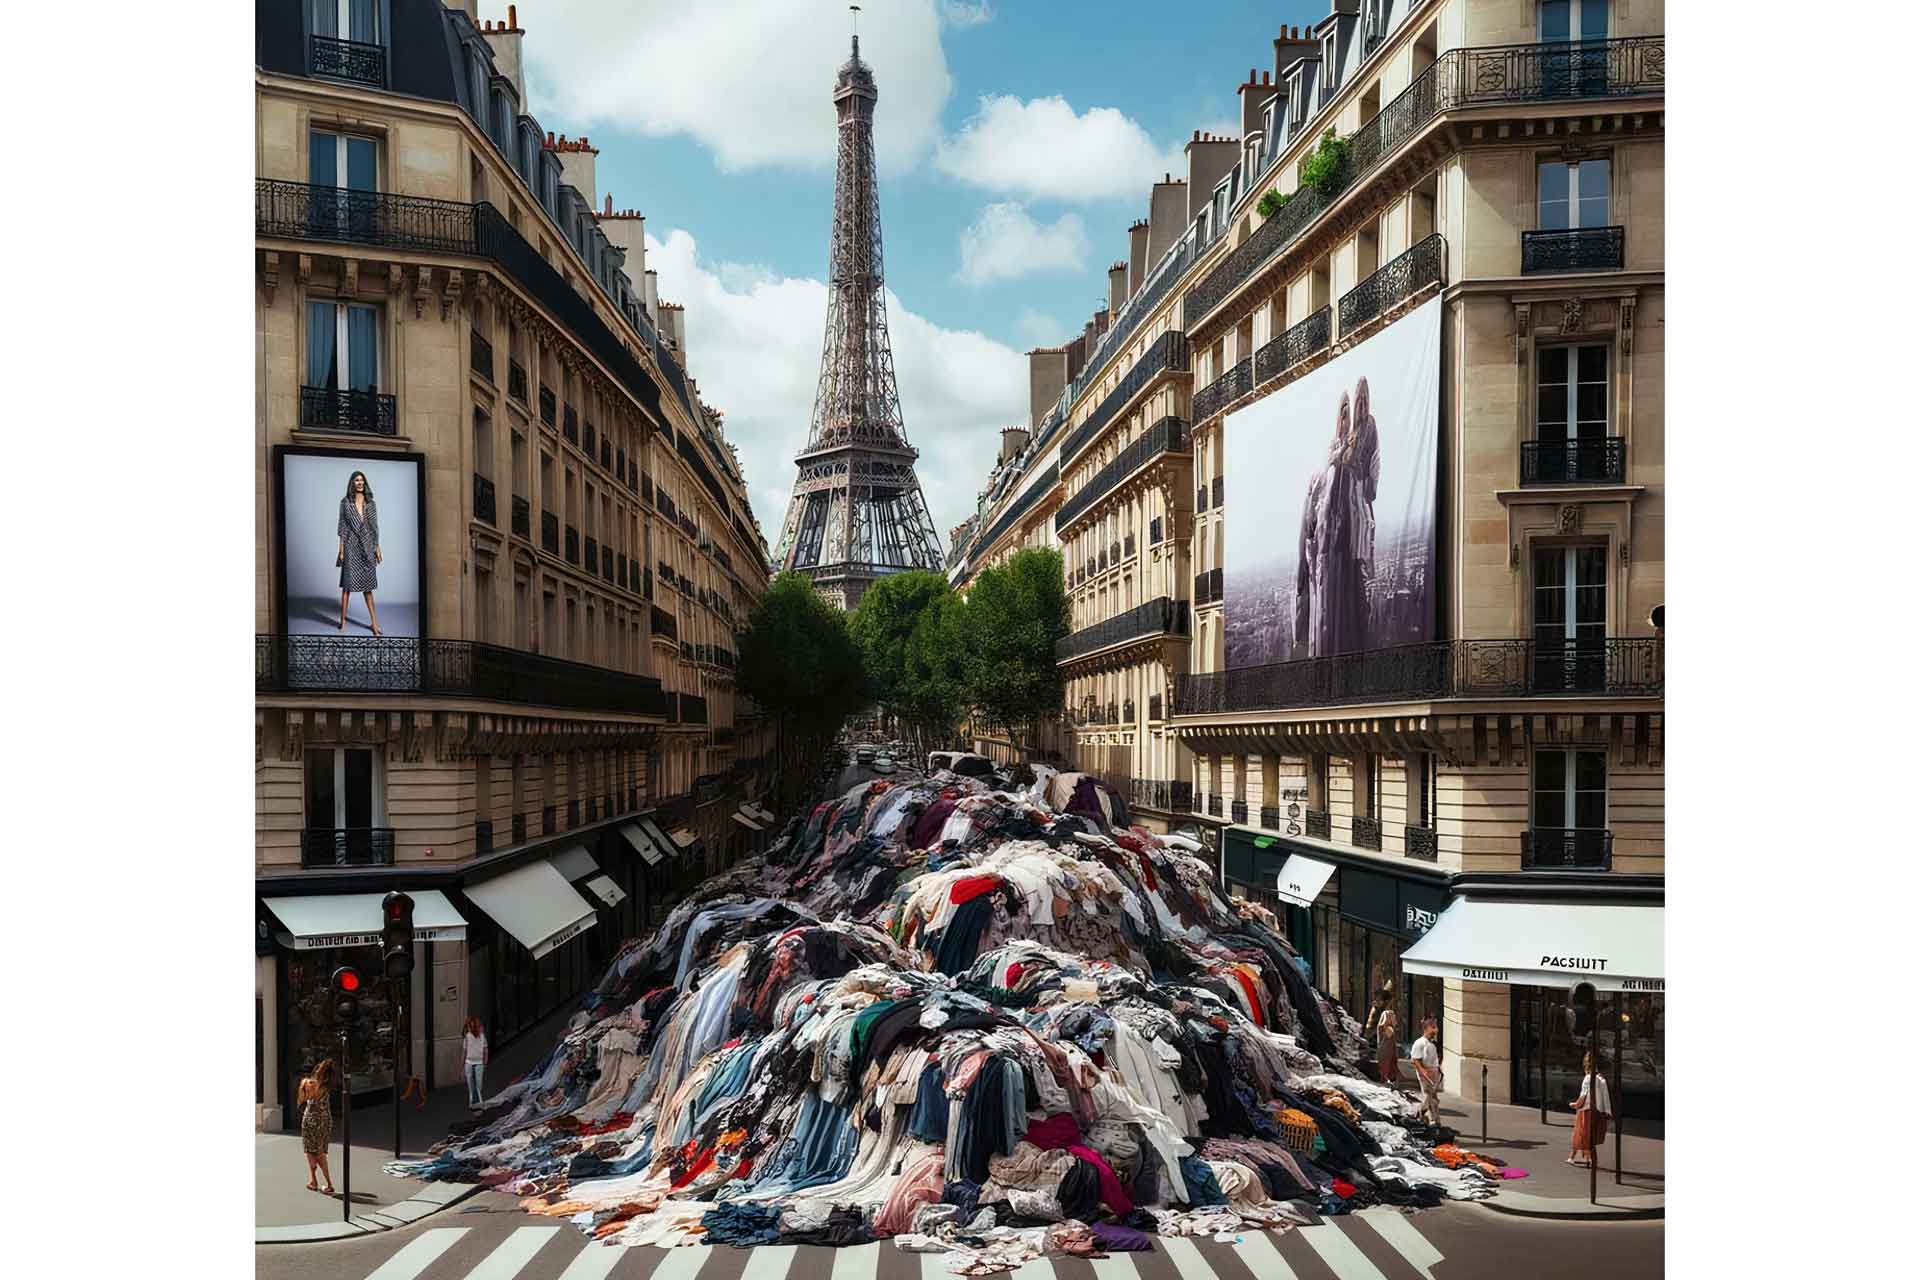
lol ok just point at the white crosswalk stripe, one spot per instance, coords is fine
(513, 1253)
(417, 1254)
(518, 1255)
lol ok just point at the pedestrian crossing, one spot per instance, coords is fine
(1377, 1244)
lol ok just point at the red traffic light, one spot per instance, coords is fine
(397, 909)
(345, 978)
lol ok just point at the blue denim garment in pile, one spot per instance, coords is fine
(929, 1120)
(820, 1150)
(1203, 1189)
(742, 1225)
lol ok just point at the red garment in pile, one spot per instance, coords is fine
(972, 887)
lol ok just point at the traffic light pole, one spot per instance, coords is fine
(399, 999)
(346, 1131)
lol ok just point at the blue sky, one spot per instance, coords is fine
(1017, 139)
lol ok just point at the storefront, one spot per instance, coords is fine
(651, 870)
(538, 956)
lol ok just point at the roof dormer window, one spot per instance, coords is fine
(1373, 23)
(1296, 99)
(1329, 65)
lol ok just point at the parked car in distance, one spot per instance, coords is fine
(883, 763)
(864, 753)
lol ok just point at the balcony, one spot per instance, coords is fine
(1156, 617)
(1578, 249)
(1631, 667)
(483, 508)
(331, 409)
(1223, 390)
(1553, 848)
(1208, 587)
(482, 835)
(346, 847)
(570, 424)
(1170, 352)
(1590, 461)
(1319, 824)
(482, 357)
(550, 532)
(522, 518)
(352, 60)
(548, 407)
(1237, 811)
(664, 624)
(1486, 76)
(1423, 843)
(573, 545)
(1366, 832)
(445, 668)
(1314, 334)
(1393, 284)
(1168, 435)
(1182, 796)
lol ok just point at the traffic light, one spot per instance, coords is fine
(346, 994)
(396, 934)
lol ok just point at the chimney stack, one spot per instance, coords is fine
(1046, 379)
(576, 164)
(504, 38)
(1166, 216)
(1012, 441)
(1116, 287)
(1137, 263)
(1209, 159)
(626, 229)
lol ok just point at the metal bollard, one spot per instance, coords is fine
(1483, 1102)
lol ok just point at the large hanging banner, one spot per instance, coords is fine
(1332, 549)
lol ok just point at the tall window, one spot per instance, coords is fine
(1579, 68)
(1573, 393)
(1329, 62)
(1569, 617)
(1569, 790)
(346, 800)
(1420, 789)
(343, 346)
(1562, 20)
(1575, 193)
(357, 20)
(342, 160)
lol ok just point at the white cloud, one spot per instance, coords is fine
(967, 13)
(751, 80)
(1005, 243)
(1043, 149)
(1039, 329)
(753, 342)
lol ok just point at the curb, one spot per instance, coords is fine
(1628, 1209)
(432, 1198)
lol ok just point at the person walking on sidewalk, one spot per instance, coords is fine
(475, 1044)
(316, 1123)
(1426, 1065)
(1387, 1033)
(1591, 1111)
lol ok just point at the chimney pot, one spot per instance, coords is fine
(513, 16)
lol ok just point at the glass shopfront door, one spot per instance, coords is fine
(1550, 1031)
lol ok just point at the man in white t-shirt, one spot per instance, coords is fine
(1426, 1064)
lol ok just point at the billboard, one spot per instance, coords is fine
(1337, 554)
(350, 543)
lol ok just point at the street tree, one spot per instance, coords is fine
(934, 698)
(799, 663)
(882, 625)
(1014, 615)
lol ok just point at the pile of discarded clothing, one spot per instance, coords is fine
(993, 1024)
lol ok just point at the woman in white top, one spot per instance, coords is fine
(475, 1044)
(1591, 1111)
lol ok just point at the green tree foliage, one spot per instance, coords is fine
(1014, 614)
(1325, 167)
(881, 626)
(798, 661)
(935, 671)
(1273, 202)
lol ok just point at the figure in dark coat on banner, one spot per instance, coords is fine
(1335, 567)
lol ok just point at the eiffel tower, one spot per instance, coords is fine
(857, 512)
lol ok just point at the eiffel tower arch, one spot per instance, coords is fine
(857, 511)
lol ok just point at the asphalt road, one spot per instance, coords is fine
(489, 1238)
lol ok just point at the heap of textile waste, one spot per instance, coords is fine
(997, 1024)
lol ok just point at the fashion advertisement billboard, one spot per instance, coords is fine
(1333, 550)
(350, 543)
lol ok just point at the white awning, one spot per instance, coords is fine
(1616, 946)
(575, 863)
(661, 841)
(603, 888)
(353, 919)
(740, 816)
(535, 904)
(683, 837)
(642, 843)
(1302, 878)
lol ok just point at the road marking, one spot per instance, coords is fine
(933, 1266)
(862, 1262)
(682, 1263)
(1035, 1269)
(593, 1262)
(1405, 1238)
(513, 1253)
(769, 1262)
(1184, 1256)
(1262, 1258)
(1115, 1266)
(417, 1254)
(1340, 1253)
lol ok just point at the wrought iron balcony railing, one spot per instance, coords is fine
(1238, 811)
(1269, 817)
(482, 358)
(550, 532)
(572, 545)
(665, 624)
(354, 60)
(483, 507)
(1366, 832)
(1585, 849)
(1591, 461)
(1423, 843)
(1505, 74)
(346, 847)
(1577, 249)
(1182, 795)
(332, 409)
(1394, 283)
(1162, 616)
(516, 380)
(1223, 390)
(1320, 824)
(445, 668)
(1213, 804)
(1311, 335)
(522, 518)
(305, 211)
(1614, 667)
(1170, 352)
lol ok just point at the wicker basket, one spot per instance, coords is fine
(1298, 1129)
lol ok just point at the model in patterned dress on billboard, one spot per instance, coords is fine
(359, 547)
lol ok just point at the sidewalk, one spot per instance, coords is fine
(1553, 1188)
(284, 1211)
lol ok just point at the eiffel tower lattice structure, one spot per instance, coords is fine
(857, 512)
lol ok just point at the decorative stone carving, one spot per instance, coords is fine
(1573, 315)
(1522, 323)
(1570, 514)
(422, 289)
(350, 277)
(270, 273)
(1626, 326)
(450, 293)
